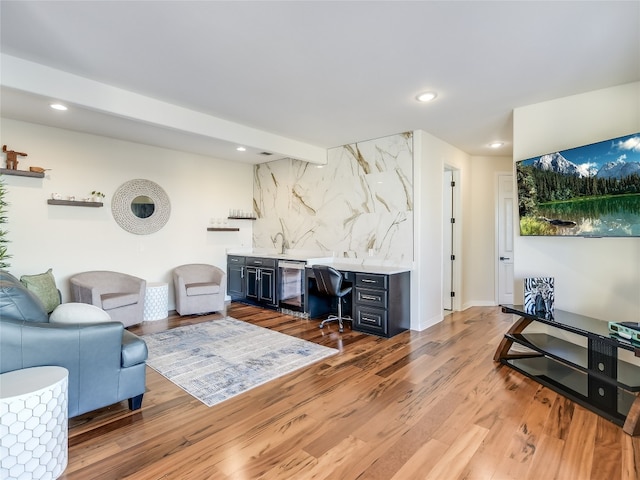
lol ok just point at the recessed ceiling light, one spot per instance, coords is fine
(58, 106)
(241, 149)
(426, 96)
(496, 144)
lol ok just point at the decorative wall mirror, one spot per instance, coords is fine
(140, 206)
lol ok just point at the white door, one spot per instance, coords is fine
(447, 241)
(504, 277)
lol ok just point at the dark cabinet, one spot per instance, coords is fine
(235, 277)
(381, 303)
(252, 280)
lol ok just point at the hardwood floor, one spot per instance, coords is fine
(429, 404)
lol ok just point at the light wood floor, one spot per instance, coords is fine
(428, 404)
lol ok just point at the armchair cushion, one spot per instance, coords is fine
(202, 288)
(43, 285)
(117, 300)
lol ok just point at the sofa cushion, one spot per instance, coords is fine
(116, 300)
(204, 288)
(18, 303)
(78, 313)
(43, 285)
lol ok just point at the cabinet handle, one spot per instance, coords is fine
(366, 280)
(242, 272)
(369, 297)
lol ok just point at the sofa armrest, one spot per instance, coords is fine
(134, 350)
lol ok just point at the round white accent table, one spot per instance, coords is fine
(156, 301)
(33, 423)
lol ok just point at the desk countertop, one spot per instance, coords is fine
(360, 268)
(337, 263)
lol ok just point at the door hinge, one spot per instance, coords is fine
(453, 220)
(453, 183)
(453, 257)
(453, 294)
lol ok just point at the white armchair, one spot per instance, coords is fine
(199, 288)
(118, 294)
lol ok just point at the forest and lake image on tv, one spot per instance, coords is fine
(593, 190)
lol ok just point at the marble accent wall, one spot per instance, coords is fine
(358, 206)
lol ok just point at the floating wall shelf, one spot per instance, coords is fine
(75, 203)
(223, 229)
(21, 173)
(241, 218)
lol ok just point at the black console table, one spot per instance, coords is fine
(590, 374)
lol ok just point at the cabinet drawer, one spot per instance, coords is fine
(371, 281)
(372, 320)
(235, 260)
(260, 262)
(374, 298)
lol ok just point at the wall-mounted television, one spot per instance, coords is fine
(587, 191)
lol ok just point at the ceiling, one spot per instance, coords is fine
(296, 78)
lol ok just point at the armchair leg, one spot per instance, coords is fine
(135, 403)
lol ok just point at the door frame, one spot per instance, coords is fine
(497, 228)
(456, 270)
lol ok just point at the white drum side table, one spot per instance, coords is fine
(156, 301)
(33, 423)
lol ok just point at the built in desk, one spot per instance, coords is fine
(380, 302)
(590, 374)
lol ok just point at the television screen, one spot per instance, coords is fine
(593, 190)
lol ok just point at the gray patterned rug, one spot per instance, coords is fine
(215, 360)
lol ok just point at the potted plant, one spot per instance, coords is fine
(97, 196)
(4, 256)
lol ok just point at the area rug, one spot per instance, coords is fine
(215, 360)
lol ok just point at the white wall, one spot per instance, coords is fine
(598, 277)
(75, 239)
(480, 239)
(430, 157)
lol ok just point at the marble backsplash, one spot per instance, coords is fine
(357, 206)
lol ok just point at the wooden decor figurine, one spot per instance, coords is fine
(12, 158)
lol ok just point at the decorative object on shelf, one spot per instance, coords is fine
(237, 214)
(56, 196)
(97, 196)
(4, 256)
(38, 169)
(539, 296)
(12, 158)
(140, 206)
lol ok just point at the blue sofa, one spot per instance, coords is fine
(106, 363)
